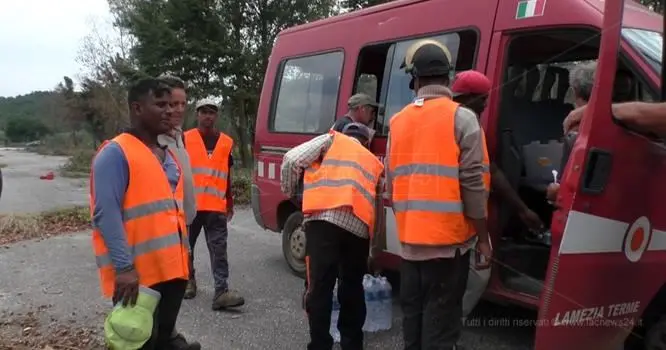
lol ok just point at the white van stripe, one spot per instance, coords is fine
(658, 241)
(271, 171)
(260, 168)
(585, 234)
(589, 234)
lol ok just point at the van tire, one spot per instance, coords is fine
(655, 336)
(293, 247)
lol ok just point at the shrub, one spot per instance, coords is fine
(241, 185)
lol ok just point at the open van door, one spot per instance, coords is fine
(599, 279)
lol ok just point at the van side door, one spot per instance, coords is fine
(600, 278)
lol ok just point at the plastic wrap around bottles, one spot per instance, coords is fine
(335, 314)
(378, 304)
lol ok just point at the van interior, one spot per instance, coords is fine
(536, 97)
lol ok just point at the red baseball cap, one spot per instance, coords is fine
(470, 82)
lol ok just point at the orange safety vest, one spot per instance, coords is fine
(423, 163)
(153, 218)
(346, 177)
(210, 173)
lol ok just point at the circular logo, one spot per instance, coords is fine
(637, 238)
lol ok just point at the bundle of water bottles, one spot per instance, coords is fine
(378, 305)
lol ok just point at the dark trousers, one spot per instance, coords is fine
(214, 225)
(166, 314)
(333, 252)
(431, 294)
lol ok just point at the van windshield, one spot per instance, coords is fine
(647, 43)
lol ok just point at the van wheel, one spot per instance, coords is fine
(293, 243)
(655, 337)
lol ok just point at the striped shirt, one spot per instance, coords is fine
(302, 157)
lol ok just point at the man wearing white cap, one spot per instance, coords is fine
(210, 155)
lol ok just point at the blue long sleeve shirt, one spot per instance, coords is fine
(111, 178)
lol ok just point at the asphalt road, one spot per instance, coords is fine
(60, 272)
(24, 192)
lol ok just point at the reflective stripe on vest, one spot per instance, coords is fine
(346, 177)
(423, 161)
(153, 219)
(210, 173)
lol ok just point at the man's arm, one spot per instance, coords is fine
(643, 116)
(378, 239)
(389, 177)
(300, 158)
(501, 185)
(473, 192)
(110, 178)
(230, 195)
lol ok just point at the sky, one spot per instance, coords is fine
(40, 39)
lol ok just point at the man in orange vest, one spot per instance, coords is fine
(341, 206)
(210, 156)
(438, 180)
(136, 202)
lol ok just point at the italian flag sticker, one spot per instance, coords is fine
(530, 8)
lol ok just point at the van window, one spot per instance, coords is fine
(462, 46)
(307, 96)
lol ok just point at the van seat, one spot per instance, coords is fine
(540, 159)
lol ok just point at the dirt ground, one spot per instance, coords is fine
(30, 330)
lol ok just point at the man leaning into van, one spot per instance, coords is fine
(362, 109)
(438, 180)
(340, 201)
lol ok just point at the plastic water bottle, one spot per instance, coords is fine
(370, 316)
(386, 304)
(335, 313)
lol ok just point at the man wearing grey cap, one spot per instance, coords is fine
(210, 155)
(340, 207)
(362, 109)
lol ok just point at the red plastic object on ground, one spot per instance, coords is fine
(48, 176)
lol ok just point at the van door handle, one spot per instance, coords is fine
(597, 171)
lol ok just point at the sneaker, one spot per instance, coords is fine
(227, 299)
(180, 343)
(191, 289)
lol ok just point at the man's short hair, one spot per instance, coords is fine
(582, 80)
(173, 81)
(141, 88)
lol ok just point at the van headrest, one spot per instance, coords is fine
(532, 81)
(514, 78)
(549, 78)
(562, 75)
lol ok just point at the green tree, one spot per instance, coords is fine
(23, 130)
(359, 4)
(220, 47)
(654, 5)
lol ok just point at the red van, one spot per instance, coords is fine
(592, 282)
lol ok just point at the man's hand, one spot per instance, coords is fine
(572, 121)
(230, 213)
(483, 255)
(127, 287)
(551, 191)
(531, 219)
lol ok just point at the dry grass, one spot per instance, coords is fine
(23, 331)
(15, 228)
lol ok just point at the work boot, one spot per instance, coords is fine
(227, 299)
(191, 289)
(180, 343)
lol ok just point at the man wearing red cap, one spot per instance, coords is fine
(470, 89)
